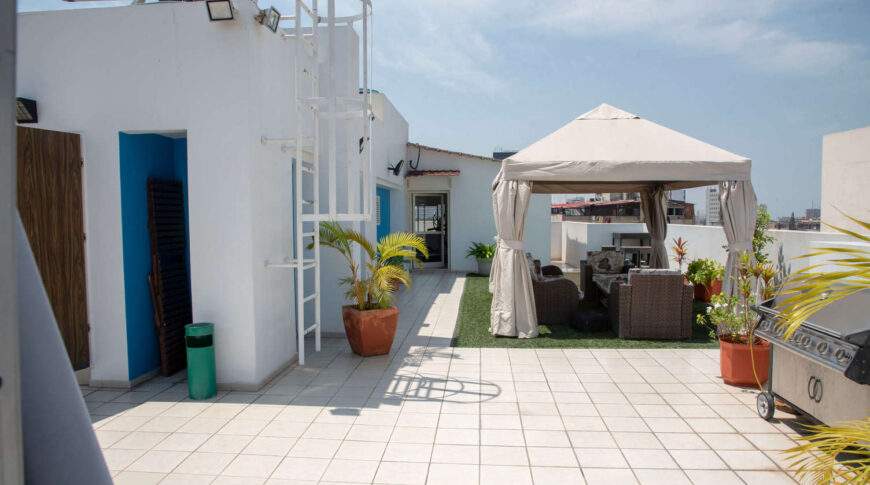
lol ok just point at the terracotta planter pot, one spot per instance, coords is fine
(705, 292)
(735, 363)
(370, 332)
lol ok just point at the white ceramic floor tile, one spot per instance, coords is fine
(401, 473)
(500, 475)
(158, 461)
(452, 474)
(205, 463)
(256, 466)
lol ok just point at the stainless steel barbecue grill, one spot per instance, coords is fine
(823, 370)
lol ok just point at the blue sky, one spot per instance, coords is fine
(762, 78)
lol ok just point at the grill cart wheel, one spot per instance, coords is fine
(764, 405)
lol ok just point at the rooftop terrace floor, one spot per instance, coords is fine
(432, 414)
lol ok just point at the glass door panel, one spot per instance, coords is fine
(429, 221)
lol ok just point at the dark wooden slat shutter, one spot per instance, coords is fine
(50, 203)
(169, 279)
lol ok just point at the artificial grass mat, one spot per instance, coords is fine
(472, 329)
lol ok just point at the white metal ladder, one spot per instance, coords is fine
(334, 109)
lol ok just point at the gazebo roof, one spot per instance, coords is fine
(611, 150)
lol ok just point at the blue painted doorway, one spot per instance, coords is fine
(382, 206)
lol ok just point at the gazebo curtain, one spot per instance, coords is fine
(654, 205)
(513, 301)
(739, 208)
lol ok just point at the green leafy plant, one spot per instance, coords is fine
(760, 237)
(704, 271)
(480, 251)
(731, 318)
(808, 291)
(680, 250)
(383, 268)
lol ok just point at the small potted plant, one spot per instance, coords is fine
(370, 320)
(706, 275)
(484, 254)
(743, 358)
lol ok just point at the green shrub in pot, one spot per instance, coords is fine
(483, 253)
(706, 275)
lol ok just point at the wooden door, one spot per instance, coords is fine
(50, 204)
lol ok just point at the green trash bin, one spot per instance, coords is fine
(201, 376)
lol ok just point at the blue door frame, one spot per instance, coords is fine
(383, 205)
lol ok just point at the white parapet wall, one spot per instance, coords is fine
(703, 241)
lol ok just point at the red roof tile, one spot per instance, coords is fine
(421, 173)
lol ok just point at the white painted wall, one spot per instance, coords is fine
(556, 241)
(703, 241)
(845, 172)
(470, 206)
(165, 67)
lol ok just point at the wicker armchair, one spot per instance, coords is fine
(654, 304)
(556, 299)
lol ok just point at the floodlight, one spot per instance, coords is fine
(26, 111)
(219, 10)
(269, 18)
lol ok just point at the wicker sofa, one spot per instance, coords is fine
(654, 304)
(556, 297)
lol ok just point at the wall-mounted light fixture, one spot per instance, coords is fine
(219, 10)
(26, 111)
(270, 18)
(397, 169)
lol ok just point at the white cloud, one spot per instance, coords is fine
(440, 41)
(738, 28)
(451, 42)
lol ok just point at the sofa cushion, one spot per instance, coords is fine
(605, 262)
(650, 271)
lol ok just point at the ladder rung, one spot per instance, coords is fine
(290, 263)
(309, 298)
(310, 44)
(309, 234)
(308, 201)
(309, 74)
(342, 114)
(307, 10)
(293, 36)
(309, 329)
(308, 169)
(341, 100)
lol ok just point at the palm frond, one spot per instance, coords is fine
(404, 245)
(817, 460)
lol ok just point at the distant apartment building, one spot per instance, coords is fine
(815, 213)
(714, 216)
(845, 172)
(679, 212)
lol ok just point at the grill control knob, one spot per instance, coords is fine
(840, 355)
(822, 348)
(806, 341)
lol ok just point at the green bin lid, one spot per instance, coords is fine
(197, 329)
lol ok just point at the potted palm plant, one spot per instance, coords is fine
(370, 320)
(484, 254)
(743, 358)
(706, 275)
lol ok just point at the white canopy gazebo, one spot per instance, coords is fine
(608, 150)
